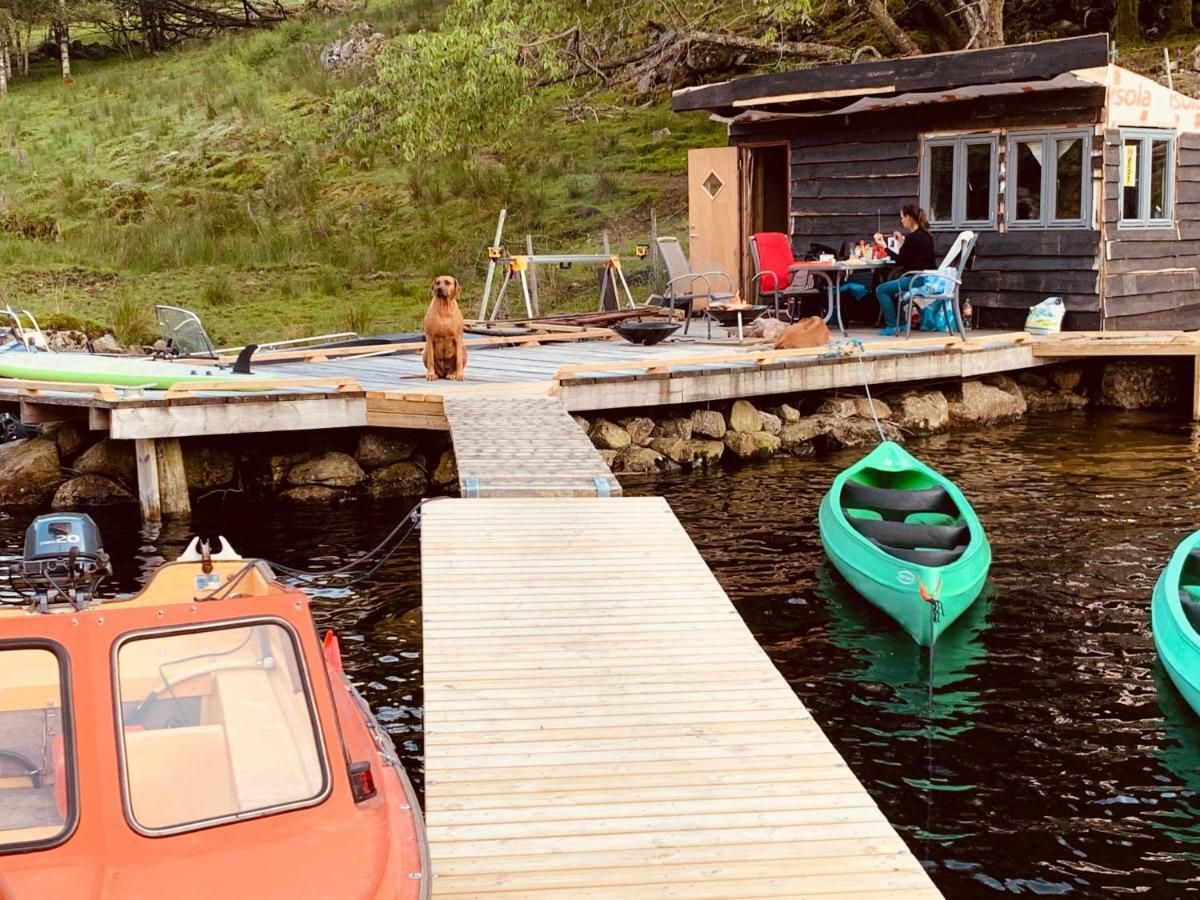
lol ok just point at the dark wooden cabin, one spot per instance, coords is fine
(829, 154)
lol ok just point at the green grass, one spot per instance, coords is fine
(204, 177)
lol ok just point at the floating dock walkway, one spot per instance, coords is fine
(599, 722)
(515, 446)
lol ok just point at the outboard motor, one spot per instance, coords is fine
(64, 559)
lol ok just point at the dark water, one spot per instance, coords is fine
(1050, 757)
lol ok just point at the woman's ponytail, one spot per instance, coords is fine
(917, 214)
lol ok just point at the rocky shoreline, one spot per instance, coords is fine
(65, 467)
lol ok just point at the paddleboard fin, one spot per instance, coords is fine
(242, 365)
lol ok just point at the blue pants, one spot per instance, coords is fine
(888, 294)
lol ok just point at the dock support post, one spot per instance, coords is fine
(172, 480)
(147, 478)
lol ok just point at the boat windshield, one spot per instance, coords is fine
(217, 725)
(182, 330)
(35, 803)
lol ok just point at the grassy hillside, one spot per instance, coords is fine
(206, 178)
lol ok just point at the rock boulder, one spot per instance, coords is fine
(377, 449)
(207, 467)
(112, 459)
(680, 429)
(29, 471)
(708, 423)
(1140, 384)
(318, 494)
(445, 473)
(608, 435)
(402, 479)
(922, 412)
(331, 469)
(89, 490)
(640, 428)
(756, 445)
(744, 418)
(976, 403)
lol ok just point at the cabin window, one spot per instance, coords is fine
(216, 725)
(1147, 178)
(958, 181)
(1048, 179)
(37, 796)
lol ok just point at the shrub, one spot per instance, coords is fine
(358, 316)
(132, 322)
(218, 290)
(65, 322)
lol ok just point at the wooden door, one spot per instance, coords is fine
(714, 211)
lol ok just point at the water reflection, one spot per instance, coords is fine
(1052, 757)
(928, 694)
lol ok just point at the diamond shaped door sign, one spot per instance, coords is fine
(712, 185)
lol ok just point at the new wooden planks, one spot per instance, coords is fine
(626, 763)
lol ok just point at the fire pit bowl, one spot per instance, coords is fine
(728, 315)
(646, 332)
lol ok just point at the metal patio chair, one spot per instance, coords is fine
(682, 290)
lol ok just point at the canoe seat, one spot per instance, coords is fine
(927, 545)
(1191, 609)
(896, 505)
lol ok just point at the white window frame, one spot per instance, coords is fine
(1144, 136)
(1049, 202)
(958, 192)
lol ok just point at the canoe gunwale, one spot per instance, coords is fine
(977, 540)
(1166, 598)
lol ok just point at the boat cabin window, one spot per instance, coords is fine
(36, 798)
(216, 725)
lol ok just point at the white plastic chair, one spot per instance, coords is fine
(949, 286)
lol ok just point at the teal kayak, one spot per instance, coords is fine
(906, 539)
(1175, 619)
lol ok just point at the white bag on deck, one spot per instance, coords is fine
(1046, 317)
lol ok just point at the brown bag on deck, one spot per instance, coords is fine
(809, 332)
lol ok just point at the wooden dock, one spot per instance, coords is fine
(599, 722)
(582, 371)
(523, 446)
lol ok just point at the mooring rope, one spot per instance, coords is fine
(348, 571)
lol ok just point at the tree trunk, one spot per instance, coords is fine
(992, 34)
(1127, 31)
(4, 71)
(1181, 16)
(893, 32)
(64, 40)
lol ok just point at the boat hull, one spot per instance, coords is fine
(924, 600)
(1175, 638)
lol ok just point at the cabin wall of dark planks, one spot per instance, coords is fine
(850, 175)
(1151, 279)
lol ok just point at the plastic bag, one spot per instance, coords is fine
(938, 316)
(1046, 317)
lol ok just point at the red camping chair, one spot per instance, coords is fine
(771, 252)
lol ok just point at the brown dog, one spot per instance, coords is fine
(810, 332)
(445, 351)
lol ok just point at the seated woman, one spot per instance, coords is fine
(915, 254)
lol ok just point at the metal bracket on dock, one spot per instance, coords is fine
(603, 488)
(470, 487)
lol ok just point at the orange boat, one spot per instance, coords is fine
(193, 740)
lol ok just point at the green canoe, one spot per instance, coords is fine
(1175, 619)
(905, 538)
